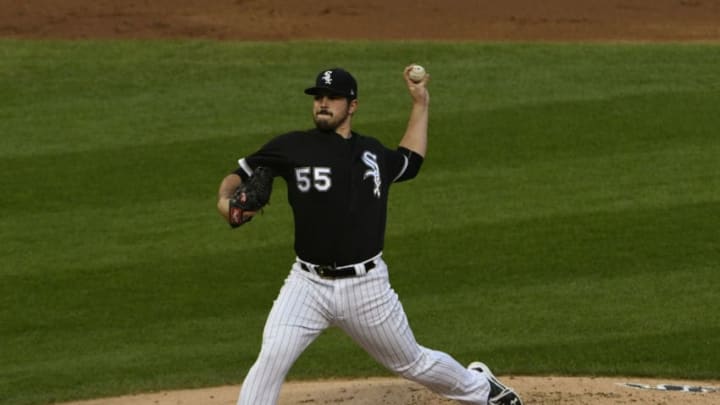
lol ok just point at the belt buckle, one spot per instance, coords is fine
(324, 270)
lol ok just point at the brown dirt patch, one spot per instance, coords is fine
(516, 20)
(524, 20)
(394, 391)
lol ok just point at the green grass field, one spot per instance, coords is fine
(566, 221)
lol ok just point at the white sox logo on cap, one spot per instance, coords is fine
(336, 82)
(327, 77)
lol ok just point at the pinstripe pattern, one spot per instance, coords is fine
(369, 311)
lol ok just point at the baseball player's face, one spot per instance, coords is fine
(330, 112)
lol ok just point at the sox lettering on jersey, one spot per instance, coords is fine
(370, 160)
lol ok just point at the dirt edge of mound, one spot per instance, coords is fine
(396, 391)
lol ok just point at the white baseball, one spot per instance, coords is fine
(417, 73)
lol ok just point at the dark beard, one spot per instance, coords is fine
(325, 124)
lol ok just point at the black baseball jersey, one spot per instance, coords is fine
(337, 188)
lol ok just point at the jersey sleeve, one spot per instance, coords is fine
(273, 155)
(404, 164)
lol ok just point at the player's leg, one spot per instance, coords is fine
(376, 320)
(297, 317)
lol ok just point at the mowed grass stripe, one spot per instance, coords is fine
(65, 96)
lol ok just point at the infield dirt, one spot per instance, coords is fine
(521, 20)
(508, 20)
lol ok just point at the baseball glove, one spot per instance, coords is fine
(251, 196)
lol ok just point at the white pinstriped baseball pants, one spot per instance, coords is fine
(369, 311)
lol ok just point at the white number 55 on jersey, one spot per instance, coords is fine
(308, 177)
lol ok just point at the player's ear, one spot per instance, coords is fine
(352, 106)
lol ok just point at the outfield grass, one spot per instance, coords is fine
(566, 220)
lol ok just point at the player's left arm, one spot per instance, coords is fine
(267, 156)
(227, 188)
(416, 134)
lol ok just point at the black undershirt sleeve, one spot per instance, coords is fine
(411, 164)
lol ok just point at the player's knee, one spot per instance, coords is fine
(278, 353)
(415, 370)
(274, 355)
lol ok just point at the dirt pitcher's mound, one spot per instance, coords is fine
(396, 391)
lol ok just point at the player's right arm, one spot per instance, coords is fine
(415, 137)
(410, 154)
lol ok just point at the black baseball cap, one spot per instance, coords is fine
(335, 81)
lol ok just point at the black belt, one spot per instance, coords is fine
(330, 271)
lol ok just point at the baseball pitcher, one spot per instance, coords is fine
(337, 184)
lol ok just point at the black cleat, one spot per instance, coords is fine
(499, 393)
